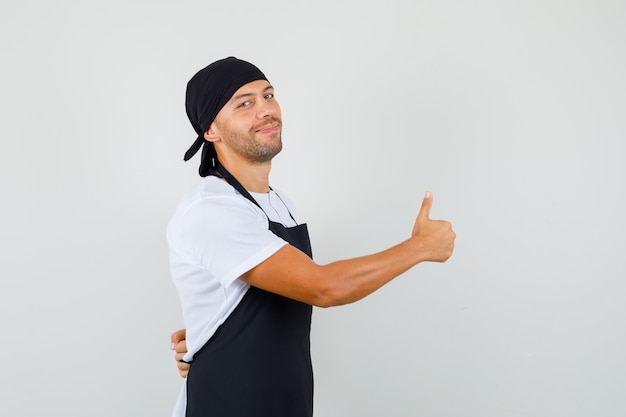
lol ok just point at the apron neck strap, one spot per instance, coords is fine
(220, 171)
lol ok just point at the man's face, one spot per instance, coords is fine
(250, 123)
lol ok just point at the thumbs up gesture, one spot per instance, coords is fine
(436, 236)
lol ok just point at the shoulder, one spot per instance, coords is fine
(213, 195)
(211, 205)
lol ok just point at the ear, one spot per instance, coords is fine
(212, 134)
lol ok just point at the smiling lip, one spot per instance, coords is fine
(268, 128)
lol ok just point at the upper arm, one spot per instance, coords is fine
(226, 236)
(292, 274)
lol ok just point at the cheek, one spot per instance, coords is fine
(232, 126)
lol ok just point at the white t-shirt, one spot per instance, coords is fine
(214, 236)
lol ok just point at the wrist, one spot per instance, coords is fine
(418, 250)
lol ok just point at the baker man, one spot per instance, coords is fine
(241, 262)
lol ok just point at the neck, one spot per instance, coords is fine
(253, 177)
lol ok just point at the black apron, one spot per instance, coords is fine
(258, 362)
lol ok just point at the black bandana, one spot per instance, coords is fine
(207, 92)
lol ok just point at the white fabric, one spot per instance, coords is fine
(214, 236)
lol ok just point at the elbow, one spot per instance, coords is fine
(323, 302)
(331, 288)
(329, 295)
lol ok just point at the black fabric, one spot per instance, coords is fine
(207, 92)
(258, 363)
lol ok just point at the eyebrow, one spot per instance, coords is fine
(240, 96)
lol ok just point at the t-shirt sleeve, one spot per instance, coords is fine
(227, 236)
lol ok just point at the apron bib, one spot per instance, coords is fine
(258, 362)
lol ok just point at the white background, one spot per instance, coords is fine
(511, 112)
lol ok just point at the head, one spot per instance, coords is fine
(248, 126)
(231, 105)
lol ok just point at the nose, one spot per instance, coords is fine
(267, 109)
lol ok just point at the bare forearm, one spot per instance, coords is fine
(352, 279)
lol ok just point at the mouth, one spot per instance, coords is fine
(268, 128)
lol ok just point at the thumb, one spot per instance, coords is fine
(424, 213)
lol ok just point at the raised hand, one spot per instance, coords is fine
(436, 236)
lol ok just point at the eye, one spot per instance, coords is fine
(245, 103)
(269, 96)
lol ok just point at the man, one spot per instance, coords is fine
(242, 263)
